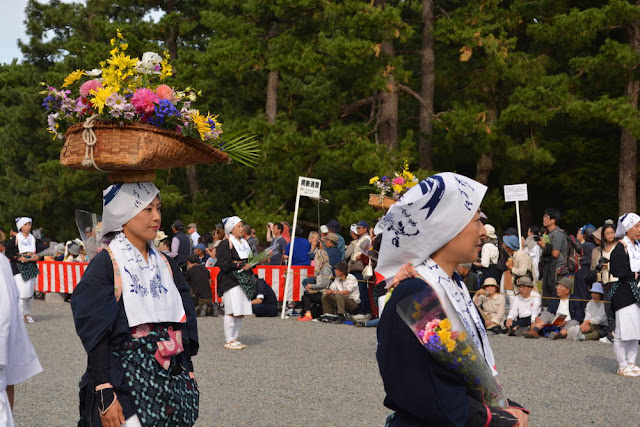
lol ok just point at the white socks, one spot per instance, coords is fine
(626, 351)
(25, 305)
(232, 327)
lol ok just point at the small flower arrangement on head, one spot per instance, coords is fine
(397, 186)
(127, 89)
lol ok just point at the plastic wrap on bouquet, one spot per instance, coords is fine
(443, 335)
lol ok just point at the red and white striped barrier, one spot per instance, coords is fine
(64, 277)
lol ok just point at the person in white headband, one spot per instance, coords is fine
(135, 317)
(624, 295)
(435, 226)
(236, 281)
(21, 251)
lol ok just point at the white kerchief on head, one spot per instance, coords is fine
(121, 202)
(427, 217)
(625, 222)
(21, 221)
(229, 223)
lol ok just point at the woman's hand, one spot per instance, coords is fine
(113, 417)
(406, 272)
(246, 267)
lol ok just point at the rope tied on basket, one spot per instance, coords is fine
(90, 140)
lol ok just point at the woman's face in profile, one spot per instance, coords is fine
(465, 247)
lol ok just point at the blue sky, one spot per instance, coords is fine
(11, 29)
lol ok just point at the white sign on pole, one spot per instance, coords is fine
(308, 187)
(515, 193)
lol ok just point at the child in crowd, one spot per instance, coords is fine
(595, 321)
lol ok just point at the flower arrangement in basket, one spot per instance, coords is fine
(123, 117)
(389, 190)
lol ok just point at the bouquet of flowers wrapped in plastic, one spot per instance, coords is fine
(443, 335)
(394, 187)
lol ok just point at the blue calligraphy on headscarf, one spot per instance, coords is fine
(433, 187)
(111, 194)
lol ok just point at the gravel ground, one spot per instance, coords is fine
(326, 375)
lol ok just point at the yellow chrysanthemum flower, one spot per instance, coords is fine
(100, 97)
(445, 335)
(374, 180)
(445, 324)
(167, 69)
(73, 77)
(451, 345)
(462, 336)
(397, 188)
(122, 61)
(201, 123)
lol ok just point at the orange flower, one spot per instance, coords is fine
(164, 92)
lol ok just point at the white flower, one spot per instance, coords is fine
(149, 64)
(93, 73)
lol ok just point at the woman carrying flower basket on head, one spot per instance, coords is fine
(435, 227)
(236, 281)
(134, 315)
(21, 252)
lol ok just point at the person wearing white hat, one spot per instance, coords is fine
(491, 304)
(236, 281)
(21, 251)
(625, 265)
(489, 254)
(434, 227)
(595, 321)
(136, 319)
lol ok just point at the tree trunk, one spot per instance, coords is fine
(628, 145)
(172, 39)
(427, 89)
(484, 166)
(271, 107)
(388, 116)
(192, 180)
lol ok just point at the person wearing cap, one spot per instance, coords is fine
(491, 304)
(595, 321)
(331, 247)
(554, 252)
(136, 320)
(343, 295)
(324, 230)
(21, 251)
(180, 245)
(200, 251)
(192, 231)
(561, 314)
(518, 264)
(625, 265)
(525, 308)
(233, 254)
(335, 227)
(433, 228)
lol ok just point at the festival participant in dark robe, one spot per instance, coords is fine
(135, 317)
(434, 227)
(236, 281)
(21, 251)
(625, 265)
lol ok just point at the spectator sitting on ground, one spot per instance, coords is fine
(264, 302)
(525, 308)
(251, 239)
(199, 280)
(491, 304)
(469, 276)
(59, 254)
(200, 251)
(343, 295)
(561, 314)
(356, 254)
(595, 321)
(518, 264)
(313, 285)
(301, 249)
(315, 242)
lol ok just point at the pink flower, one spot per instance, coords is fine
(145, 101)
(398, 181)
(89, 86)
(164, 92)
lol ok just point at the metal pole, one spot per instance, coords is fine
(289, 277)
(519, 226)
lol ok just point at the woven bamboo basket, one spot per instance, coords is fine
(131, 152)
(381, 202)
